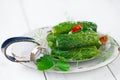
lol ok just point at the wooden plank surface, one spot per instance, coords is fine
(12, 23)
(98, 74)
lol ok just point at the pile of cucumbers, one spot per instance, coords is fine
(81, 44)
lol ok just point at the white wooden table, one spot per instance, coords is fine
(20, 16)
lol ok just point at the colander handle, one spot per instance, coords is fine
(12, 40)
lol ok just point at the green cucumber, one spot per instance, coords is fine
(69, 41)
(76, 54)
(66, 27)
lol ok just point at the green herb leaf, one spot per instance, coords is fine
(62, 65)
(45, 62)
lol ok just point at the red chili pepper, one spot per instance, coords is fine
(103, 39)
(76, 28)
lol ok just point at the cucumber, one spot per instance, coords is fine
(66, 27)
(63, 27)
(90, 26)
(51, 39)
(76, 54)
(69, 41)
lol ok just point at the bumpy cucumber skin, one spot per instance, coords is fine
(66, 42)
(65, 27)
(51, 40)
(90, 26)
(52, 43)
(76, 54)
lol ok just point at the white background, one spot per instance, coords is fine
(20, 16)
